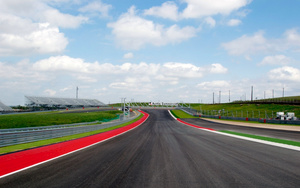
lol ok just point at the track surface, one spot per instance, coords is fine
(281, 134)
(165, 153)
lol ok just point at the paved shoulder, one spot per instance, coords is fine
(257, 125)
(232, 126)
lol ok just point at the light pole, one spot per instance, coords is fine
(124, 107)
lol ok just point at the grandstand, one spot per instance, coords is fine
(51, 102)
(3, 107)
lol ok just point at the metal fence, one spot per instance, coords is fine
(25, 135)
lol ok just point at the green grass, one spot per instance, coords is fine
(181, 114)
(288, 142)
(281, 99)
(53, 118)
(8, 149)
(240, 110)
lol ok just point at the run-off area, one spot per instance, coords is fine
(165, 153)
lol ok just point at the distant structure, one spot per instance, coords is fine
(50, 102)
(77, 92)
(4, 108)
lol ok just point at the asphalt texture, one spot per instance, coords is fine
(280, 134)
(164, 153)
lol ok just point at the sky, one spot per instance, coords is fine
(159, 51)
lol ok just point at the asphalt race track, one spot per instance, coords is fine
(165, 153)
(281, 134)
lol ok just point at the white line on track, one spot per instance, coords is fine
(247, 138)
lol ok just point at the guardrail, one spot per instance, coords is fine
(25, 135)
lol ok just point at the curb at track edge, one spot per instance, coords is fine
(296, 148)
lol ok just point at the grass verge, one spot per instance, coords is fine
(181, 114)
(281, 141)
(8, 149)
(53, 118)
(240, 110)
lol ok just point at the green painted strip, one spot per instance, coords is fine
(276, 140)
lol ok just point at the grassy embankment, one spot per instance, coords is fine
(8, 149)
(181, 114)
(53, 118)
(240, 110)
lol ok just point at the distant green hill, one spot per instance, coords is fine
(280, 100)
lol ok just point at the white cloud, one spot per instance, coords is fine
(56, 18)
(234, 22)
(204, 8)
(292, 39)
(210, 21)
(164, 79)
(66, 89)
(95, 7)
(196, 9)
(134, 32)
(243, 13)
(128, 55)
(7, 71)
(248, 45)
(170, 71)
(182, 70)
(50, 92)
(134, 84)
(32, 27)
(59, 76)
(201, 9)
(275, 60)
(35, 38)
(258, 44)
(285, 73)
(40, 12)
(166, 71)
(167, 10)
(217, 68)
(214, 85)
(86, 78)
(63, 63)
(70, 72)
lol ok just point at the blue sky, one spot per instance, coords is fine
(160, 51)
